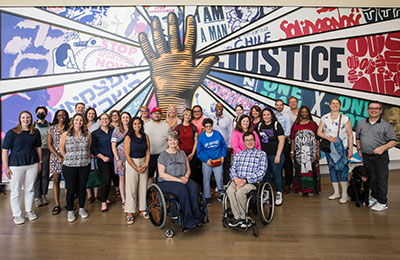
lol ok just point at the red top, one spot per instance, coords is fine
(186, 138)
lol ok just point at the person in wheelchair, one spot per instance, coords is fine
(249, 167)
(174, 172)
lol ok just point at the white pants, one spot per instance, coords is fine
(22, 177)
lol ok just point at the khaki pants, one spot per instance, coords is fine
(136, 187)
(238, 199)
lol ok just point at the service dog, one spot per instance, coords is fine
(359, 186)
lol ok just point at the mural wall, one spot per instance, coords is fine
(125, 57)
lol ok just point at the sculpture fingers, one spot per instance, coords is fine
(159, 39)
(173, 32)
(190, 34)
(148, 51)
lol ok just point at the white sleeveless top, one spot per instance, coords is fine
(331, 127)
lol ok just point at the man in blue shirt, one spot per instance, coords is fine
(249, 166)
(284, 120)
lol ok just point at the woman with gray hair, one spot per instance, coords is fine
(174, 170)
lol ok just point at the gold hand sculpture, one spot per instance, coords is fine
(173, 71)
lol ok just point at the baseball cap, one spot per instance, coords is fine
(156, 109)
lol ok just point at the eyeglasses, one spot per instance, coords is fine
(374, 108)
(143, 111)
(196, 111)
(249, 140)
(207, 126)
(217, 121)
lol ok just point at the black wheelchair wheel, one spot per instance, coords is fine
(156, 206)
(265, 203)
(226, 206)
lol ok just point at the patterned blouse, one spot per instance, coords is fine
(77, 154)
(117, 137)
(55, 164)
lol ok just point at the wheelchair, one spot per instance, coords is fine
(162, 205)
(259, 201)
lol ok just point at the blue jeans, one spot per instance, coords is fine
(276, 170)
(337, 176)
(207, 170)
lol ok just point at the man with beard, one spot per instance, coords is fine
(284, 119)
(157, 131)
(223, 124)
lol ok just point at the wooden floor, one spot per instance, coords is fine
(303, 228)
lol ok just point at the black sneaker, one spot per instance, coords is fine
(235, 223)
(208, 201)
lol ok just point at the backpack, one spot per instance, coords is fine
(193, 129)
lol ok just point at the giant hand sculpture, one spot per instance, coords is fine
(173, 70)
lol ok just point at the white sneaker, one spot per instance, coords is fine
(279, 198)
(71, 216)
(83, 213)
(372, 201)
(31, 216)
(18, 220)
(379, 207)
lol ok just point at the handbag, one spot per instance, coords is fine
(325, 144)
(94, 179)
(216, 163)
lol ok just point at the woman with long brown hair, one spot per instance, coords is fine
(22, 165)
(74, 147)
(255, 116)
(117, 146)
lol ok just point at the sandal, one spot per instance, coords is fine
(117, 194)
(144, 214)
(130, 220)
(56, 210)
(123, 205)
(90, 200)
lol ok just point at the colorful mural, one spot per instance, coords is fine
(125, 57)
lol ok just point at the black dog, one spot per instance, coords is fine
(359, 186)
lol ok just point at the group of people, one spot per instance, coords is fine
(182, 154)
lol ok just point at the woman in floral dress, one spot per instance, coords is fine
(117, 146)
(59, 126)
